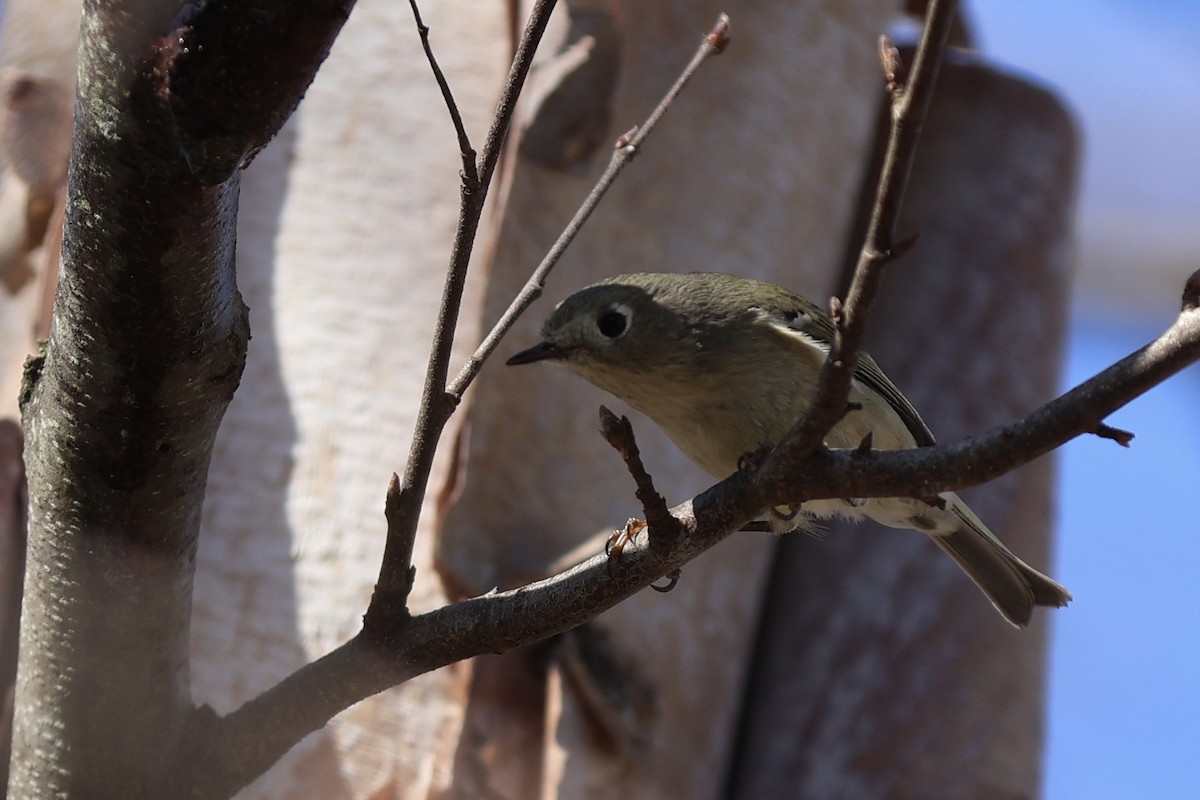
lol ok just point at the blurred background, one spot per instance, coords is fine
(1124, 711)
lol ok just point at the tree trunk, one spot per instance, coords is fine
(881, 671)
(119, 422)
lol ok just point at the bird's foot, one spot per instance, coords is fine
(619, 539)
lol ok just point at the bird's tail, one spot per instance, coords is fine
(1013, 586)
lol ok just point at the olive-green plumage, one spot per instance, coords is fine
(725, 365)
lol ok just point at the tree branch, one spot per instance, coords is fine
(231, 751)
(470, 173)
(437, 405)
(910, 104)
(146, 349)
(627, 146)
(270, 50)
(618, 432)
(926, 471)
(255, 735)
(393, 646)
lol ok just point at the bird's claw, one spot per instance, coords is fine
(619, 539)
(616, 545)
(785, 513)
(672, 580)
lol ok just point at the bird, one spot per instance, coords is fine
(727, 365)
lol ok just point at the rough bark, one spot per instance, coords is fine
(122, 406)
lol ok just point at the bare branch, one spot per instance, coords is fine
(392, 606)
(910, 104)
(470, 173)
(208, 47)
(116, 483)
(1117, 435)
(231, 751)
(626, 148)
(926, 471)
(539, 17)
(437, 406)
(499, 621)
(619, 433)
(661, 528)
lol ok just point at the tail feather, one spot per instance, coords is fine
(1013, 586)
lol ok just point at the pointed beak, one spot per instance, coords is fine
(539, 352)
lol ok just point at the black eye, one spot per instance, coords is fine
(612, 324)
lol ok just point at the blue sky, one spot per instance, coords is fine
(1125, 656)
(1124, 699)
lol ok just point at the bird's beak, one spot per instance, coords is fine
(539, 352)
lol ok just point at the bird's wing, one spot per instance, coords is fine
(795, 315)
(869, 373)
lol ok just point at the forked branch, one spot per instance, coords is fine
(437, 404)
(909, 107)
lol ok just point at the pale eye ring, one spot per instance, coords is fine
(612, 324)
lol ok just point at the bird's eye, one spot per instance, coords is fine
(612, 324)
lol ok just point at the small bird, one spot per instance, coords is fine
(727, 365)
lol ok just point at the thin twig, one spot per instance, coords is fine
(893, 66)
(395, 572)
(1121, 437)
(927, 471)
(910, 104)
(626, 148)
(522, 61)
(618, 432)
(470, 174)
